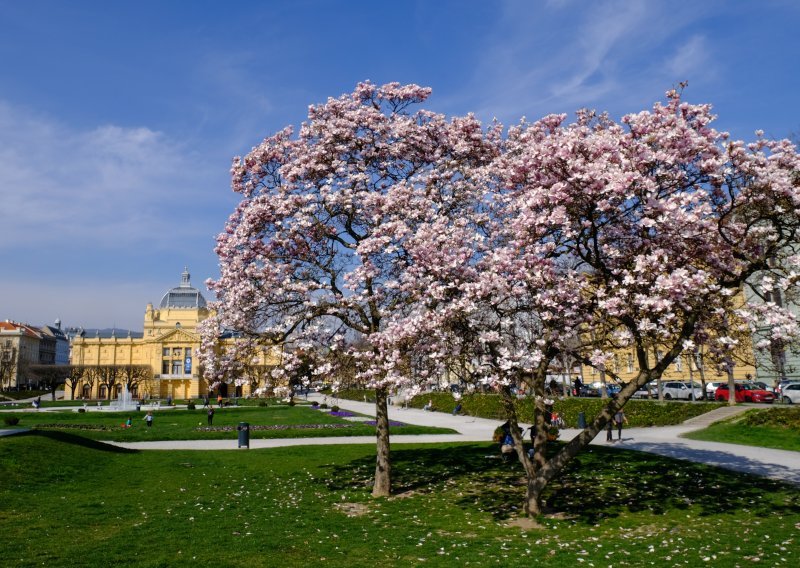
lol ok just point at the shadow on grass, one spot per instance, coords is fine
(721, 458)
(78, 440)
(602, 485)
(599, 483)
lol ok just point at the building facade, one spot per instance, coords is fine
(19, 348)
(61, 353)
(169, 346)
(780, 360)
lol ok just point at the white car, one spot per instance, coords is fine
(791, 393)
(681, 391)
(711, 388)
(647, 391)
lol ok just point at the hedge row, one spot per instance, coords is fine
(638, 412)
(775, 417)
(357, 394)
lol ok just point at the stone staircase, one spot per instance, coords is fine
(715, 416)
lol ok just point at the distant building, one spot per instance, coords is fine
(779, 360)
(61, 347)
(168, 345)
(19, 348)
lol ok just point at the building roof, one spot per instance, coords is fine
(53, 332)
(183, 296)
(25, 329)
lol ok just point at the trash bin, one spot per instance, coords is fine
(244, 434)
(581, 420)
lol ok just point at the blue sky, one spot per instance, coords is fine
(118, 120)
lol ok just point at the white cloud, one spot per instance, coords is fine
(564, 55)
(109, 185)
(690, 58)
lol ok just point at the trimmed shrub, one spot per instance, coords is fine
(191, 406)
(334, 408)
(360, 395)
(775, 417)
(639, 412)
(11, 420)
(262, 403)
(323, 405)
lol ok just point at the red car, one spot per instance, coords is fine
(745, 393)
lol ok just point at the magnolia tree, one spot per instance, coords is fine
(596, 236)
(309, 258)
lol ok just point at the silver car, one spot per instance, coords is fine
(681, 391)
(791, 393)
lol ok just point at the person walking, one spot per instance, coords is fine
(610, 430)
(149, 419)
(205, 401)
(619, 420)
(210, 416)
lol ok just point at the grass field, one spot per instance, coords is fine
(181, 424)
(777, 428)
(70, 501)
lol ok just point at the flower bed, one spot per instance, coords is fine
(275, 427)
(98, 427)
(391, 423)
(341, 413)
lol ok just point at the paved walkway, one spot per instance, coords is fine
(666, 441)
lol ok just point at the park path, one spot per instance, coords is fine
(666, 441)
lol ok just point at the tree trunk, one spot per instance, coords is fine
(731, 382)
(699, 360)
(383, 466)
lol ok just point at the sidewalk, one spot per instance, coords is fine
(666, 441)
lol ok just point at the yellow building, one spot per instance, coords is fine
(626, 366)
(169, 346)
(696, 366)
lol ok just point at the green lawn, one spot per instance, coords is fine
(70, 501)
(181, 424)
(777, 428)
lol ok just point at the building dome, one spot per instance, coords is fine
(184, 296)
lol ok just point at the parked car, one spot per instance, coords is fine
(681, 390)
(782, 384)
(646, 391)
(763, 386)
(711, 388)
(791, 393)
(745, 393)
(590, 391)
(611, 388)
